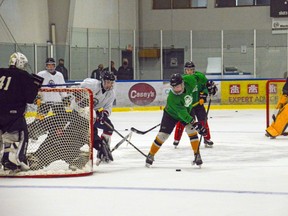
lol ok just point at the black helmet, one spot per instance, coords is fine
(50, 61)
(176, 79)
(189, 64)
(107, 75)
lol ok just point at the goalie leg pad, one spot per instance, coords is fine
(1, 148)
(15, 148)
(280, 123)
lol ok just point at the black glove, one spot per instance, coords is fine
(67, 101)
(202, 98)
(199, 128)
(102, 116)
(212, 88)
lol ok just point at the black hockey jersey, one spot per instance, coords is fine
(17, 88)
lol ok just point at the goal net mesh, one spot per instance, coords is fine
(60, 124)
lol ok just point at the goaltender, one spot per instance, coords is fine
(17, 88)
(280, 122)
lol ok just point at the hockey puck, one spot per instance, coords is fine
(178, 170)
(126, 129)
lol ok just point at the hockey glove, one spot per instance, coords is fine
(67, 101)
(37, 100)
(212, 88)
(202, 98)
(102, 116)
(199, 128)
(282, 102)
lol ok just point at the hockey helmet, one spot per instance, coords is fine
(107, 75)
(176, 79)
(18, 60)
(108, 80)
(189, 68)
(189, 64)
(50, 65)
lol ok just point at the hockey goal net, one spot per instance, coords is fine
(60, 134)
(273, 93)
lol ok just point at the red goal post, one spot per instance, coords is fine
(273, 93)
(60, 134)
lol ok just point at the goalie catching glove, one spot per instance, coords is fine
(199, 128)
(102, 116)
(212, 88)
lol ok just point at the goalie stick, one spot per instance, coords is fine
(106, 123)
(143, 132)
(127, 137)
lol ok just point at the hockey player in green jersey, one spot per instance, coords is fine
(182, 96)
(199, 110)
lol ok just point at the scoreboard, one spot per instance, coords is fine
(279, 8)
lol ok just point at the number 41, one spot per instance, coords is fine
(4, 79)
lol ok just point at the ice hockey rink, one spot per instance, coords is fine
(244, 174)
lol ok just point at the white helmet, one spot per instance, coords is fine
(18, 60)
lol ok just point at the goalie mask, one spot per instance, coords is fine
(50, 65)
(108, 80)
(18, 60)
(189, 68)
(177, 84)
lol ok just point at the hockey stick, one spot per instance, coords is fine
(122, 141)
(106, 123)
(209, 103)
(143, 132)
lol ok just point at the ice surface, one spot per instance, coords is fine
(244, 174)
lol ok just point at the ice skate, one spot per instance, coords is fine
(175, 143)
(208, 143)
(149, 160)
(197, 160)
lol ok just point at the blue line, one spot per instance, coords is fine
(150, 189)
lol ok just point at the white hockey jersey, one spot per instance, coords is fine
(101, 100)
(50, 79)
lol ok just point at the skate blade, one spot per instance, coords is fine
(194, 164)
(208, 146)
(98, 161)
(147, 165)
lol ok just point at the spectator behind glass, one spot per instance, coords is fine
(125, 72)
(97, 74)
(62, 69)
(112, 68)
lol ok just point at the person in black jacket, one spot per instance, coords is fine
(125, 72)
(112, 68)
(17, 88)
(98, 73)
(62, 69)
